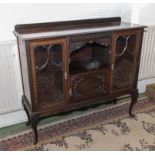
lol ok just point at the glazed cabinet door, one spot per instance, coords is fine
(125, 53)
(48, 72)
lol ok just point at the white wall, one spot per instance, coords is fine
(143, 14)
(147, 14)
(12, 14)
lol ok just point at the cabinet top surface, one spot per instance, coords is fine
(66, 28)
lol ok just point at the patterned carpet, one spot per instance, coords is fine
(108, 129)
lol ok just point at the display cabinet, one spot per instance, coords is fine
(73, 64)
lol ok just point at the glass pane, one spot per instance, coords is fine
(49, 70)
(124, 59)
(89, 57)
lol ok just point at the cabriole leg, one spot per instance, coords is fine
(34, 123)
(27, 113)
(115, 101)
(134, 97)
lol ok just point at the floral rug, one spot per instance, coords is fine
(108, 129)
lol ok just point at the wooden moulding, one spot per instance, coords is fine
(65, 25)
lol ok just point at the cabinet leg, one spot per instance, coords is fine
(115, 101)
(27, 113)
(34, 123)
(134, 97)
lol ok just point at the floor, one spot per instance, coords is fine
(14, 129)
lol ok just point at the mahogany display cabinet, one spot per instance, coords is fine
(73, 64)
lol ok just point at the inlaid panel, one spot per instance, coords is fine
(88, 86)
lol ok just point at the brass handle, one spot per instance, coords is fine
(112, 67)
(65, 75)
(70, 92)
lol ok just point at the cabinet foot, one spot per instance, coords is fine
(34, 123)
(134, 97)
(115, 101)
(26, 110)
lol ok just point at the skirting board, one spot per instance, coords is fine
(12, 118)
(20, 116)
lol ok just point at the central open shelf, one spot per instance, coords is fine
(90, 57)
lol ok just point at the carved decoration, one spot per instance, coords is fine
(75, 84)
(100, 90)
(43, 67)
(102, 86)
(77, 45)
(125, 49)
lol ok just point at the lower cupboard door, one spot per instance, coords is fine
(85, 87)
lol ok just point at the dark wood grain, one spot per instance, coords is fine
(64, 25)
